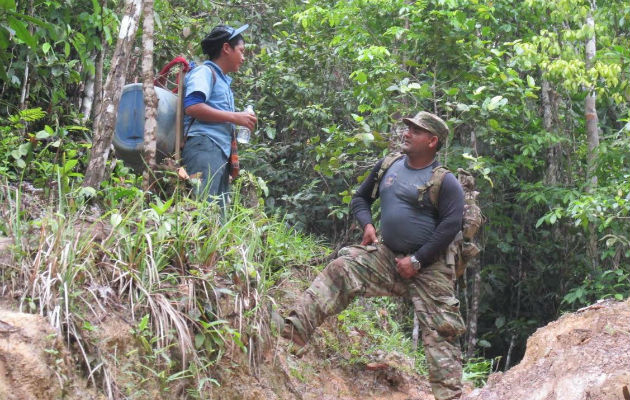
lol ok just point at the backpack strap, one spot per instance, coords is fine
(435, 183)
(387, 162)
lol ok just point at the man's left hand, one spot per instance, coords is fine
(405, 267)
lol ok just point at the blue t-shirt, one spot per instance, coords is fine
(217, 94)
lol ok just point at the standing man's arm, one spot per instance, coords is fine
(206, 113)
(361, 206)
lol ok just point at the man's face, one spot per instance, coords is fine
(235, 55)
(418, 140)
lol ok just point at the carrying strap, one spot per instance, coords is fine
(435, 183)
(160, 80)
(387, 162)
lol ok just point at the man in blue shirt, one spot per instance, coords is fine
(210, 117)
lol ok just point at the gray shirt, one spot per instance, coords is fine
(405, 221)
(443, 222)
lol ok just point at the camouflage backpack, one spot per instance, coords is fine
(463, 248)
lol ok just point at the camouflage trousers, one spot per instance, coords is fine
(371, 271)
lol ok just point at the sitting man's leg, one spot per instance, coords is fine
(358, 271)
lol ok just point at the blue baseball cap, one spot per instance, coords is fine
(236, 31)
(219, 35)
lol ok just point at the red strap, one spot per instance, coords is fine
(234, 164)
(160, 80)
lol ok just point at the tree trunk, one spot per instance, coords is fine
(104, 129)
(552, 173)
(592, 132)
(98, 81)
(25, 81)
(150, 98)
(88, 98)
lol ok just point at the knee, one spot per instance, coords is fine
(335, 270)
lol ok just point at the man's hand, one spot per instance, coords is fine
(369, 235)
(405, 267)
(204, 112)
(243, 118)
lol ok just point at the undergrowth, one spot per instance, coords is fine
(375, 335)
(191, 287)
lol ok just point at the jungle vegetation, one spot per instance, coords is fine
(536, 94)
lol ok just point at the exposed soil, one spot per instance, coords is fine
(35, 364)
(581, 356)
(284, 376)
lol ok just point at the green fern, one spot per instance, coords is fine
(28, 115)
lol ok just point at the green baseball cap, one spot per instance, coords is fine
(429, 122)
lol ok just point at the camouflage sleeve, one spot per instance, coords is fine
(361, 204)
(450, 211)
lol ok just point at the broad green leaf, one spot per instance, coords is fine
(199, 339)
(24, 148)
(4, 43)
(69, 165)
(115, 219)
(452, 91)
(530, 81)
(42, 135)
(479, 89)
(21, 32)
(495, 102)
(7, 5)
(270, 131)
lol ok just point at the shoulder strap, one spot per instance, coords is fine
(435, 183)
(387, 162)
(214, 74)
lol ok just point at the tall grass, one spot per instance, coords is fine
(192, 286)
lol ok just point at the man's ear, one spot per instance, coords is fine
(226, 48)
(433, 142)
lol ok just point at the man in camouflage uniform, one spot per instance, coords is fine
(410, 261)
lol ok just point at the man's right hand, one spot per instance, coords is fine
(369, 235)
(245, 119)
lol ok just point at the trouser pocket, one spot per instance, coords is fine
(441, 314)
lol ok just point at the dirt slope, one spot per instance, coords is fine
(581, 356)
(34, 362)
(585, 355)
(314, 375)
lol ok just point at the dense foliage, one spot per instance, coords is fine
(330, 81)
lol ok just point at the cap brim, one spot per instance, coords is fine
(238, 31)
(409, 121)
